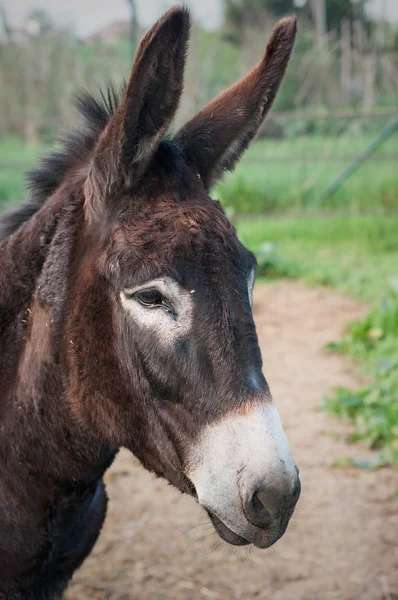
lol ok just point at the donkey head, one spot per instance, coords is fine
(169, 365)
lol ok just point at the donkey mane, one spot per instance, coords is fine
(43, 180)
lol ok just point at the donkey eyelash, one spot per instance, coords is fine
(150, 298)
(153, 299)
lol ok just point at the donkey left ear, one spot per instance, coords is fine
(215, 139)
(149, 103)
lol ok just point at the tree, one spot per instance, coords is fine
(240, 13)
(133, 25)
(338, 10)
(39, 22)
(250, 11)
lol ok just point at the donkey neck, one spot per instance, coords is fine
(48, 443)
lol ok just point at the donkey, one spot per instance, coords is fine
(126, 321)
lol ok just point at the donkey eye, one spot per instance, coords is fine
(150, 298)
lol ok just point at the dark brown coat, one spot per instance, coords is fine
(119, 203)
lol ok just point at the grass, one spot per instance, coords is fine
(357, 254)
(262, 184)
(374, 408)
(17, 158)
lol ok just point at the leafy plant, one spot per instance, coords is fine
(270, 263)
(373, 409)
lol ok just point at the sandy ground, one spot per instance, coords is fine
(342, 542)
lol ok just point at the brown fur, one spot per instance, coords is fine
(215, 139)
(78, 379)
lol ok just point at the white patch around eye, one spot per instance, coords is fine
(169, 327)
(250, 283)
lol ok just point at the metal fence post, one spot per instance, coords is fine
(352, 167)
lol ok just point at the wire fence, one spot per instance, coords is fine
(299, 160)
(376, 118)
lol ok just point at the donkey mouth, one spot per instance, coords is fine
(265, 540)
(226, 533)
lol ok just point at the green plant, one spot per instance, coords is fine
(18, 158)
(357, 254)
(373, 409)
(374, 413)
(270, 264)
(278, 175)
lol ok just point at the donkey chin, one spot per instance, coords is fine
(245, 476)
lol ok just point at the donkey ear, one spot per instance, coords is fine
(215, 139)
(149, 103)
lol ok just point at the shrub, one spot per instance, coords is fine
(373, 409)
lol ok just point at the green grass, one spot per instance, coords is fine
(358, 255)
(261, 184)
(374, 408)
(18, 158)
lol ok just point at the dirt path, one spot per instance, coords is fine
(342, 542)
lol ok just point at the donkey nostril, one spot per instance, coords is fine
(296, 490)
(260, 509)
(256, 512)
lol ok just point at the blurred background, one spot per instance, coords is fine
(316, 198)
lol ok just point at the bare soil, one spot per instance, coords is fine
(342, 542)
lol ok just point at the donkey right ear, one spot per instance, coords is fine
(149, 104)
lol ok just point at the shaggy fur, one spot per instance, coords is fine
(117, 206)
(45, 179)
